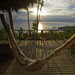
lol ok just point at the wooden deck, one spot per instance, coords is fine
(60, 65)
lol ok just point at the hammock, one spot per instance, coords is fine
(32, 64)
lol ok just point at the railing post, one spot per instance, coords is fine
(73, 50)
(20, 33)
(41, 33)
(29, 33)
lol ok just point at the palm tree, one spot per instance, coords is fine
(41, 5)
(39, 8)
(38, 14)
(28, 21)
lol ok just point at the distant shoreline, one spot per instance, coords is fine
(46, 25)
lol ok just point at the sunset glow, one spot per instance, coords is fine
(40, 27)
(42, 13)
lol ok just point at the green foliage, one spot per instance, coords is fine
(50, 35)
(60, 35)
(3, 34)
(25, 36)
(16, 35)
(34, 25)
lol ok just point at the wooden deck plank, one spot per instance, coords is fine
(60, 65)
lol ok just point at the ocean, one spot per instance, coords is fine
(45, 25)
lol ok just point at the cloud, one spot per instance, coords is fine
(58, 18)
(56, 7)
(60, 7)
(57, 10)
(58, 3)
(71, 6)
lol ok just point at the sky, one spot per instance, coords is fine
(53, 10)
(60, 7)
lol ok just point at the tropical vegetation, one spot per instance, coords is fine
(49, 35)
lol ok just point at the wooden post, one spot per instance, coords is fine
(73, 50)
(42, 34)
(10, 19)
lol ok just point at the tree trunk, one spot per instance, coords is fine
(28, 21)
(38, 15)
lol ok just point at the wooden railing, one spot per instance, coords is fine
(41, 34)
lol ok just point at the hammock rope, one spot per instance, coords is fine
(31, 64)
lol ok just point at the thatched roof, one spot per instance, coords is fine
(15, 4)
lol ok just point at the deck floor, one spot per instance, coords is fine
(59, 65)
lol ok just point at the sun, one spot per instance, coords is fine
(40, 27)
(42, 12)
